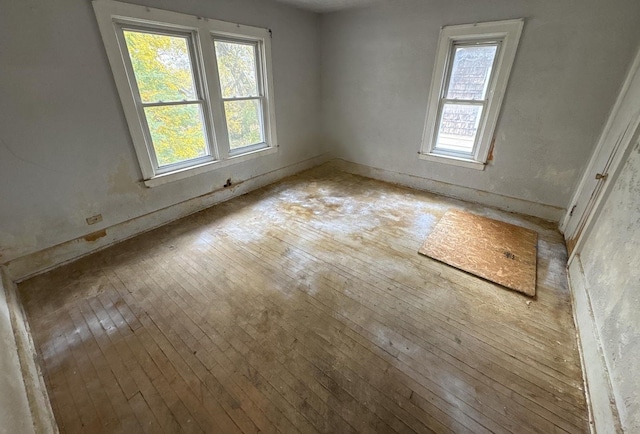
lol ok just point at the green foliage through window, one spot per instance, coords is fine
(162, 67)
(239, 79)
(172, 105)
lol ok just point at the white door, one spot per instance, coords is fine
(620, 132)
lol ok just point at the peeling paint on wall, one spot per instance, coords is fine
(611, 261)
(95, 235)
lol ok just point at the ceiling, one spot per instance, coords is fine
(327, 5)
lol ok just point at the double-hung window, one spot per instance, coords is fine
(166, 86)
(242, 95)
(197, 93)
(472, 68)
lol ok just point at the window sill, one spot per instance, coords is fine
(455, 161)
(206, 167)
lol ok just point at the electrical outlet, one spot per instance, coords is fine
(94, 219)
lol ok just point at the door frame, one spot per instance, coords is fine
(618, 153)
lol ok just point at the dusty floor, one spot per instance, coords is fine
(304, 307)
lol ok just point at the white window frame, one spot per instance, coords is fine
(506, 34)
(260, 97)
(112, 16)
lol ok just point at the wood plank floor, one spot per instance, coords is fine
(305, 307)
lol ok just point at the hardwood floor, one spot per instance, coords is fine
(305, 307)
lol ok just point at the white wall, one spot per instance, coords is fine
(377, 65)
(611, 262)
(65, 150)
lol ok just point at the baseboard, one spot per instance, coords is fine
(512, 204)
(24, 402)
(38, 262)
(603, 413)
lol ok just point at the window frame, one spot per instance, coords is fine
(264, 124)
(120, 27)
(113, 16)
(504, 34)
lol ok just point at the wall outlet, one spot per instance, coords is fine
(94, 219)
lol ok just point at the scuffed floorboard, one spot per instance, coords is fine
(304, 307)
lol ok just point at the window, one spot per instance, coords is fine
(239, 82)
(167, 95)
(197, 93)
(472, 68)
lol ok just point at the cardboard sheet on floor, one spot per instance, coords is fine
(497, 251)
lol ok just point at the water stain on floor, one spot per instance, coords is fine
(304, 306)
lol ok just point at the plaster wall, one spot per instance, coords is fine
(376, 71)
(611, 262)
(65, 149)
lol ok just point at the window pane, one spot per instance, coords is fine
(237, 69)
(243, 122)
(162, 66)
(458, 127)
(177, 132)
(471, 72)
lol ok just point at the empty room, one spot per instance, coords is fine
(319, 216)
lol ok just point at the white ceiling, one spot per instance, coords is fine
(327, 5)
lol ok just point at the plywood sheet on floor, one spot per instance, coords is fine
(492, 249)
(303, 307)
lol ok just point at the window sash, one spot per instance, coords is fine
(454, 44)
(461, 154)
(196, 68)
(261, 85)
(198, 79)
(444, 90)
(261, 118)
(180, 164)
(257, 47)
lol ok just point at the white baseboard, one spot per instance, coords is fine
(34, 263)
(512, 204)
(29, 265)
(603, 413)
